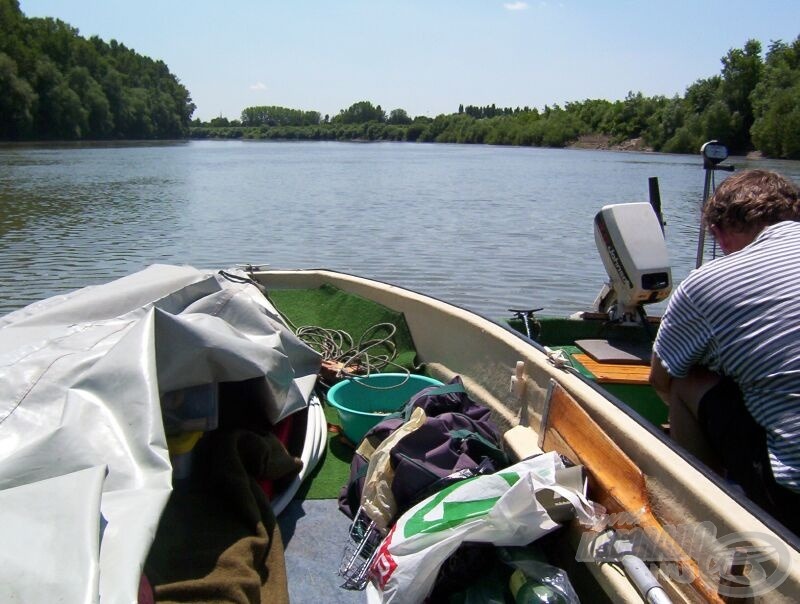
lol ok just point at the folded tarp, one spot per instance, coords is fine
(81, 377)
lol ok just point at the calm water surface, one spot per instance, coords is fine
(485, 227)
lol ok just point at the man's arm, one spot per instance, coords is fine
(683, 395)
(660, 379)
(688, 390)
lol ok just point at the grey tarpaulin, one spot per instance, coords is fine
(84, 467)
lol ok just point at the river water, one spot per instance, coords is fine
(488, 228)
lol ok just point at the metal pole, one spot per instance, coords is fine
(701, 240)
(640, 574)
(713, 154)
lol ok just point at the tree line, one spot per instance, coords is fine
(57, 85)
(752, 104)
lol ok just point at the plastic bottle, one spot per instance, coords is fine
(527, 591)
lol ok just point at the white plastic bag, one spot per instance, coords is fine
(499, 508)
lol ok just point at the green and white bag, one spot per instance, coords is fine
(499, 508)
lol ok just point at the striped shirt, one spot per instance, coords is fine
(739, 315)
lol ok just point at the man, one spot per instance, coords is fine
(727, 355)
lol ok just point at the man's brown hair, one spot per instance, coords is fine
(752, 199)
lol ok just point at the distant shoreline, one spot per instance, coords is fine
(588, 142)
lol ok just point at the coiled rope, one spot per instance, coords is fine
(374, 350)
(352, 359)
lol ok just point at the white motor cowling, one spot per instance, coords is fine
(634, 253)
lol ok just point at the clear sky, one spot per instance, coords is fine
(427, 56)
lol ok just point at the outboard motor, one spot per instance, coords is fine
(634, 253)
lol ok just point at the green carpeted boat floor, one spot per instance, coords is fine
(331, 308)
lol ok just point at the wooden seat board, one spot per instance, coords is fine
(614, 373)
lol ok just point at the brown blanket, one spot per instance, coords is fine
(218, 540)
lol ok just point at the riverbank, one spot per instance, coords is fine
(593, 142)
(382, 132)
(603, 142)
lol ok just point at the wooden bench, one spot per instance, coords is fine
(614, 373)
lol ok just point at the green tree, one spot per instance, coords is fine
(10, 14)
(99, 121)
(17, 101)
(59, 111)
(688, 138)
(359, 113)
(665, 122)
(134, 120)
(57, 84)
(720, 123)
(741, 73)
(279, 116)
(776, 102)
(219, 122)
(399, 116)
(629, 118)
(702, 93)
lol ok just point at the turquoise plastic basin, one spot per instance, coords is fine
(363, 402)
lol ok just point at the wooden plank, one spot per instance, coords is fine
(614, 373)
(615, 481)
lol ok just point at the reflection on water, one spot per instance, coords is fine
(485, 227)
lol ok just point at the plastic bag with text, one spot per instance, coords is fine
(499, 508)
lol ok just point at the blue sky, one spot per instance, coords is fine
(427, 56)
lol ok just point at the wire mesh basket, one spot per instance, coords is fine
(360, 551)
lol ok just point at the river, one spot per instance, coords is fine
(488, 228)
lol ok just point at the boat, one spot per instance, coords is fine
(103, 357)
(107, 494)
